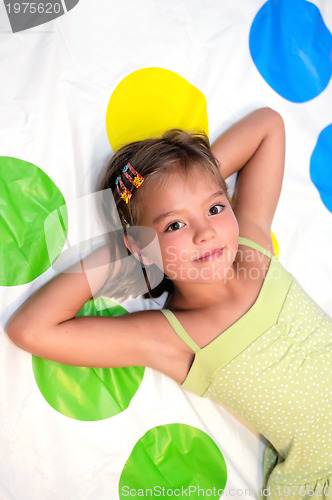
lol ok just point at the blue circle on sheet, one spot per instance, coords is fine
(291, 48)
(321, 166)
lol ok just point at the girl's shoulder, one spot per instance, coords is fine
(253, 258)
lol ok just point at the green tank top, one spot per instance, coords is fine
(273, 367)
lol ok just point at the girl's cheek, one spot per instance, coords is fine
(232, 225)
(171, 253)
(171, 271)
(235, 223)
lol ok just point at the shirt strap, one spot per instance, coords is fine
(255, 246)
(179, 330)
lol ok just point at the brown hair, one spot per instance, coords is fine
(176, 148)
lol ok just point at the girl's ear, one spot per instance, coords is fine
(136, 251)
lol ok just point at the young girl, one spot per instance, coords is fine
(237, 327)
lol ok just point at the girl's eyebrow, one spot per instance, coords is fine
(174, 212)
(166, 214)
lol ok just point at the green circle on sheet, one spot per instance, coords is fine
(27, 197)
(171, 458)
(88, 393)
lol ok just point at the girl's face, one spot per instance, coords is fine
(195, 224)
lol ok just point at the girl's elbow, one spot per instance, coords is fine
(269, 113)
(275, 116)
(20, 335)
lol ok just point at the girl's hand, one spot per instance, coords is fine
(255, 148)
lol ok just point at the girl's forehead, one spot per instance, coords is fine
(176, 191)
(192, 176)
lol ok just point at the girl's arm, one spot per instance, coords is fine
(45, 324)
(255, 148)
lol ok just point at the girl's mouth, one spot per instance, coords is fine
(210, 255)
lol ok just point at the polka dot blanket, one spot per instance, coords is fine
(78, 80)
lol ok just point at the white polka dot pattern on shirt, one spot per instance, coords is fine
(282, 385)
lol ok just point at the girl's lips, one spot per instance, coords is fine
(212, 254)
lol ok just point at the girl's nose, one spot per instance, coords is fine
(203, 233)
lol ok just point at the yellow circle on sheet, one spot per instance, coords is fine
(150, 101)
(275, 245)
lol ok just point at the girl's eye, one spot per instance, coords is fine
(216, 209)
(174, 226)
